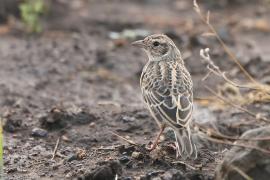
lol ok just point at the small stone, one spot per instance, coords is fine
(252, 162)
(69, 175)
(38, 132)
(173, 174)
(129, 165)
(12, 124)
(127, 178)
(12, 170)
(124, 159)
(137, 155)
(65, 138)
(81, 154)
(42, 174)
(154, 173)
(92, 125)
(109, 171)
(142, 114)
(72, 157)
(127, 119)
(126, 150)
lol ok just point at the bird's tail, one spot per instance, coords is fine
(185, 146)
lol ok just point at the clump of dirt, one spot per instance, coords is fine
(58, 119)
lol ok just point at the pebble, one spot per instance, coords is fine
(92, 125)
(69, 175)
(72, 157)
(38, 132)
(127, 119)
(137, 155)
(127, 178)
(126, 150)
(124, 159)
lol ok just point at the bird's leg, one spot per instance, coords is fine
(154, 145)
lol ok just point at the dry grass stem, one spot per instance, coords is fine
(109, 148)
(55, 148)
(186, 164)
(221, 141)
(237, 106)
(125, 139)
(215, 134)
(242, 173)
(206, 20)
(204, 53)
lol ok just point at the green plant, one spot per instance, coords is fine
(31, 11)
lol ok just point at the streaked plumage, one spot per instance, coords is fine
(167, 90)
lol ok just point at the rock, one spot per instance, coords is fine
(127, 150)
(142, 114)
(72, 157)
(55, 119)
(137, 155)
(107, 172)
(207, 119)
(127, 119)
(124, 159)
(127, 178)
(154, 175)
(38, 132)
(60, 118)
(69, 175)
(12, 124)
(11, 170)
(173, 174)
(197, 176)
(252, 162)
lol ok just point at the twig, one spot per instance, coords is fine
(55, 148)
(227, 50)
(240, 123)
(237, 106)
(204, 53)
(182, 162)
(242, 173)
(125, 139)
(109, 148)
(216, 134)
(235, 144)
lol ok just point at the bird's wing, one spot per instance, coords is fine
(168, 103)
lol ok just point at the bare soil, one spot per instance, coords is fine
(81, 86)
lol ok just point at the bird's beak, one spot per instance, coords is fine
(138, 43)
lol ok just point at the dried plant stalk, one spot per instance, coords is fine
(206, 20)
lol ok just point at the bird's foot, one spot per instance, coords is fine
(156, 142)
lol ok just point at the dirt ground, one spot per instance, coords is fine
(76, 83)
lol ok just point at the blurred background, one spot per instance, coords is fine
(68, 70)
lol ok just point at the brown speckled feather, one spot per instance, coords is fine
(167, 90)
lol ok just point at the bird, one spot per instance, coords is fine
(167, 91)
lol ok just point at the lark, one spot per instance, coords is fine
(167, 90)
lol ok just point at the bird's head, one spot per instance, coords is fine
(158, 47)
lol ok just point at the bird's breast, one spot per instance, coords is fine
(164, 76)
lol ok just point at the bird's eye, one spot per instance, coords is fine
(156, 43)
